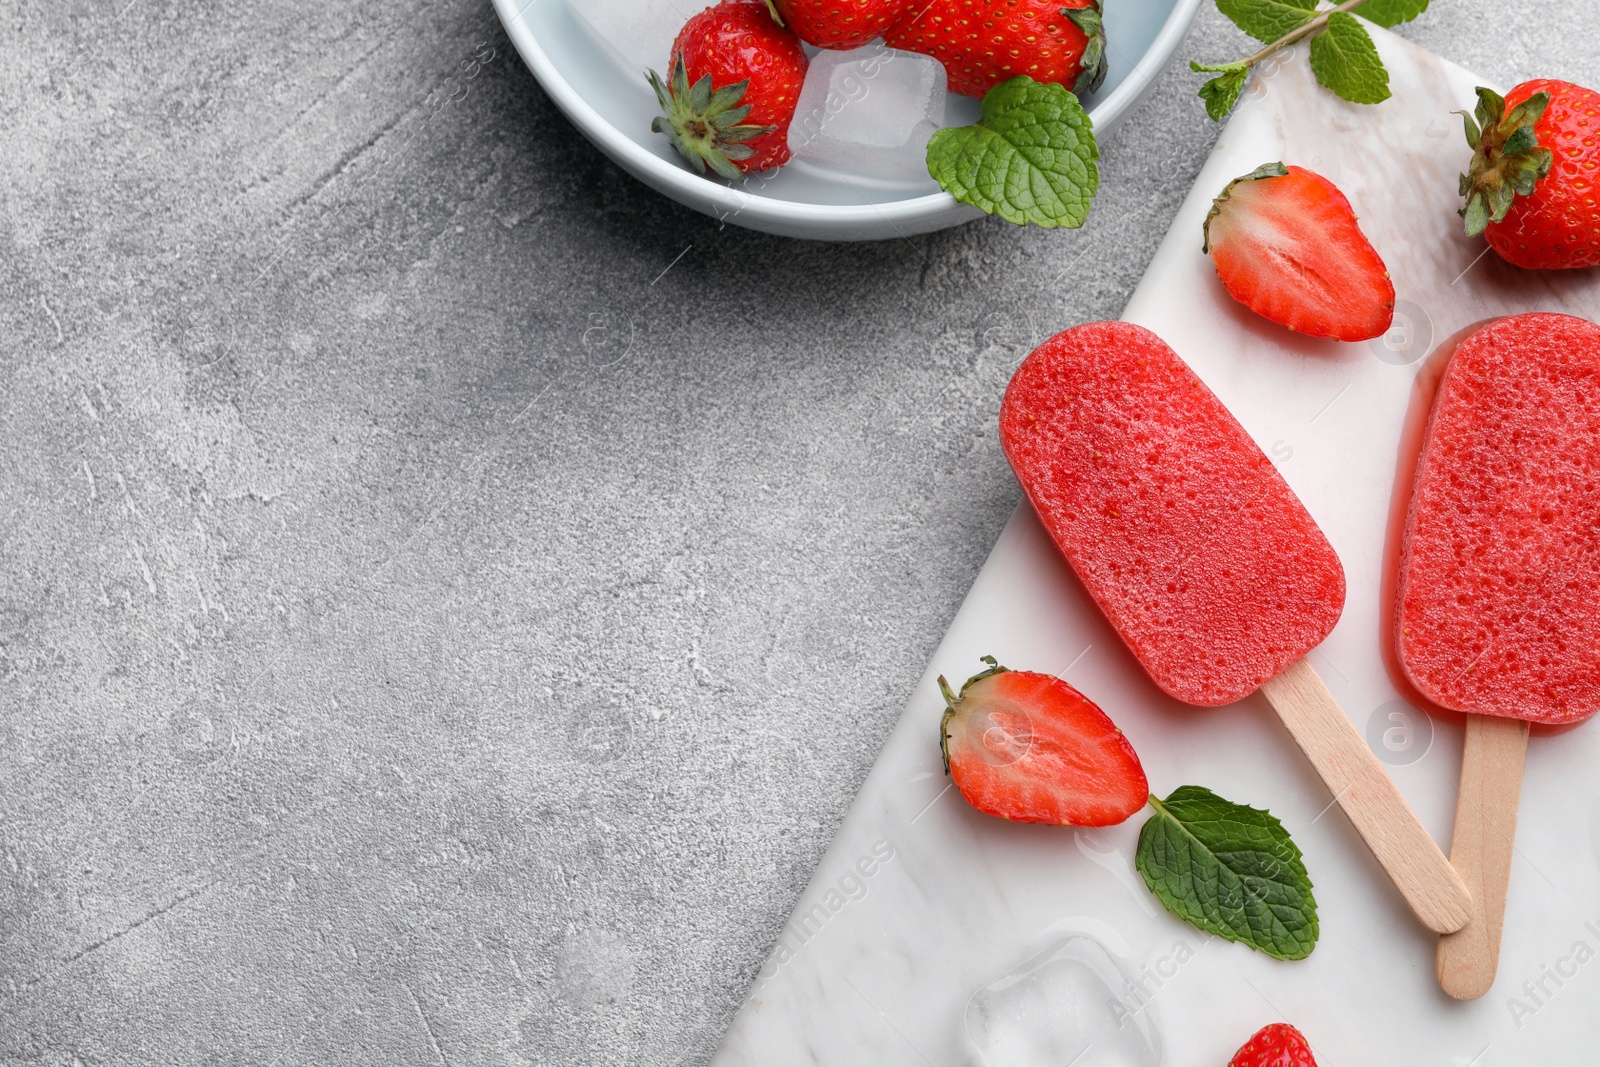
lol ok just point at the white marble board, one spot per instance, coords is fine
(899, 951)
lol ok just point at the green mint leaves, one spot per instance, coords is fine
(1230, 870)
(1345, 60)
(1030, 158)
(1267, 20)
(1391, 12)
(1343, 57)
(1222, 92)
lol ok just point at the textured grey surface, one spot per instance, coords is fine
(450, 593)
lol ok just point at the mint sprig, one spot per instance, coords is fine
(1230, 870)
(1392, 12)
(1343, 56)
(1222, 92)
(1267, 20)
(1030, 158)
(1345, 60)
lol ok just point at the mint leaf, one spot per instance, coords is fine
(1345, 61)
(1391, 12)
(1267, 20)
(1029, 158)
(1229, 870)
(1222, 92)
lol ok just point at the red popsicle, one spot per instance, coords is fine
(1497, 602)
(1203, 560)
(1184, 533)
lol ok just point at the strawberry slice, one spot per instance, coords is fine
(1278, 1045)
(1030, 748)
(1286, 245)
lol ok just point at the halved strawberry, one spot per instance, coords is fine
(1029, 747)
(1286, 245)
(1278, 1045)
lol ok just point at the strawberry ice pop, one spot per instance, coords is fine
(1203, 560)
(1496, 605)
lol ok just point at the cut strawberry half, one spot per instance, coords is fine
(1287, 246)
(1030, 748)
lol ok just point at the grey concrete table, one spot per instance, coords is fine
(450, 593)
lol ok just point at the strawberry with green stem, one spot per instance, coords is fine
(735, 80)
(983, 43)
(838, 23)
(1532, 186)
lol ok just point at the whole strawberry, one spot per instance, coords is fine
(985, 42)
(736, 77)
(838, 23)
(1532, 187)
(1278, 1045)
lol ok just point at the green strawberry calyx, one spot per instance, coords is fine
(1092, 66)
(1266, 170)
(952, 698)
(772, 9)
(1507, 159)
(706, 125)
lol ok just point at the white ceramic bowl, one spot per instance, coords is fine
(614, 112)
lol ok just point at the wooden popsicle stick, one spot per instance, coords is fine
(1369, 797)
(1480, 848)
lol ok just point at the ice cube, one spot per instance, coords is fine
(868, 113)
(1061, 1007)
(636, 34)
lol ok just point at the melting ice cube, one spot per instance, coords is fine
(1061, 1007)
(636, 34)
(868, 113)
